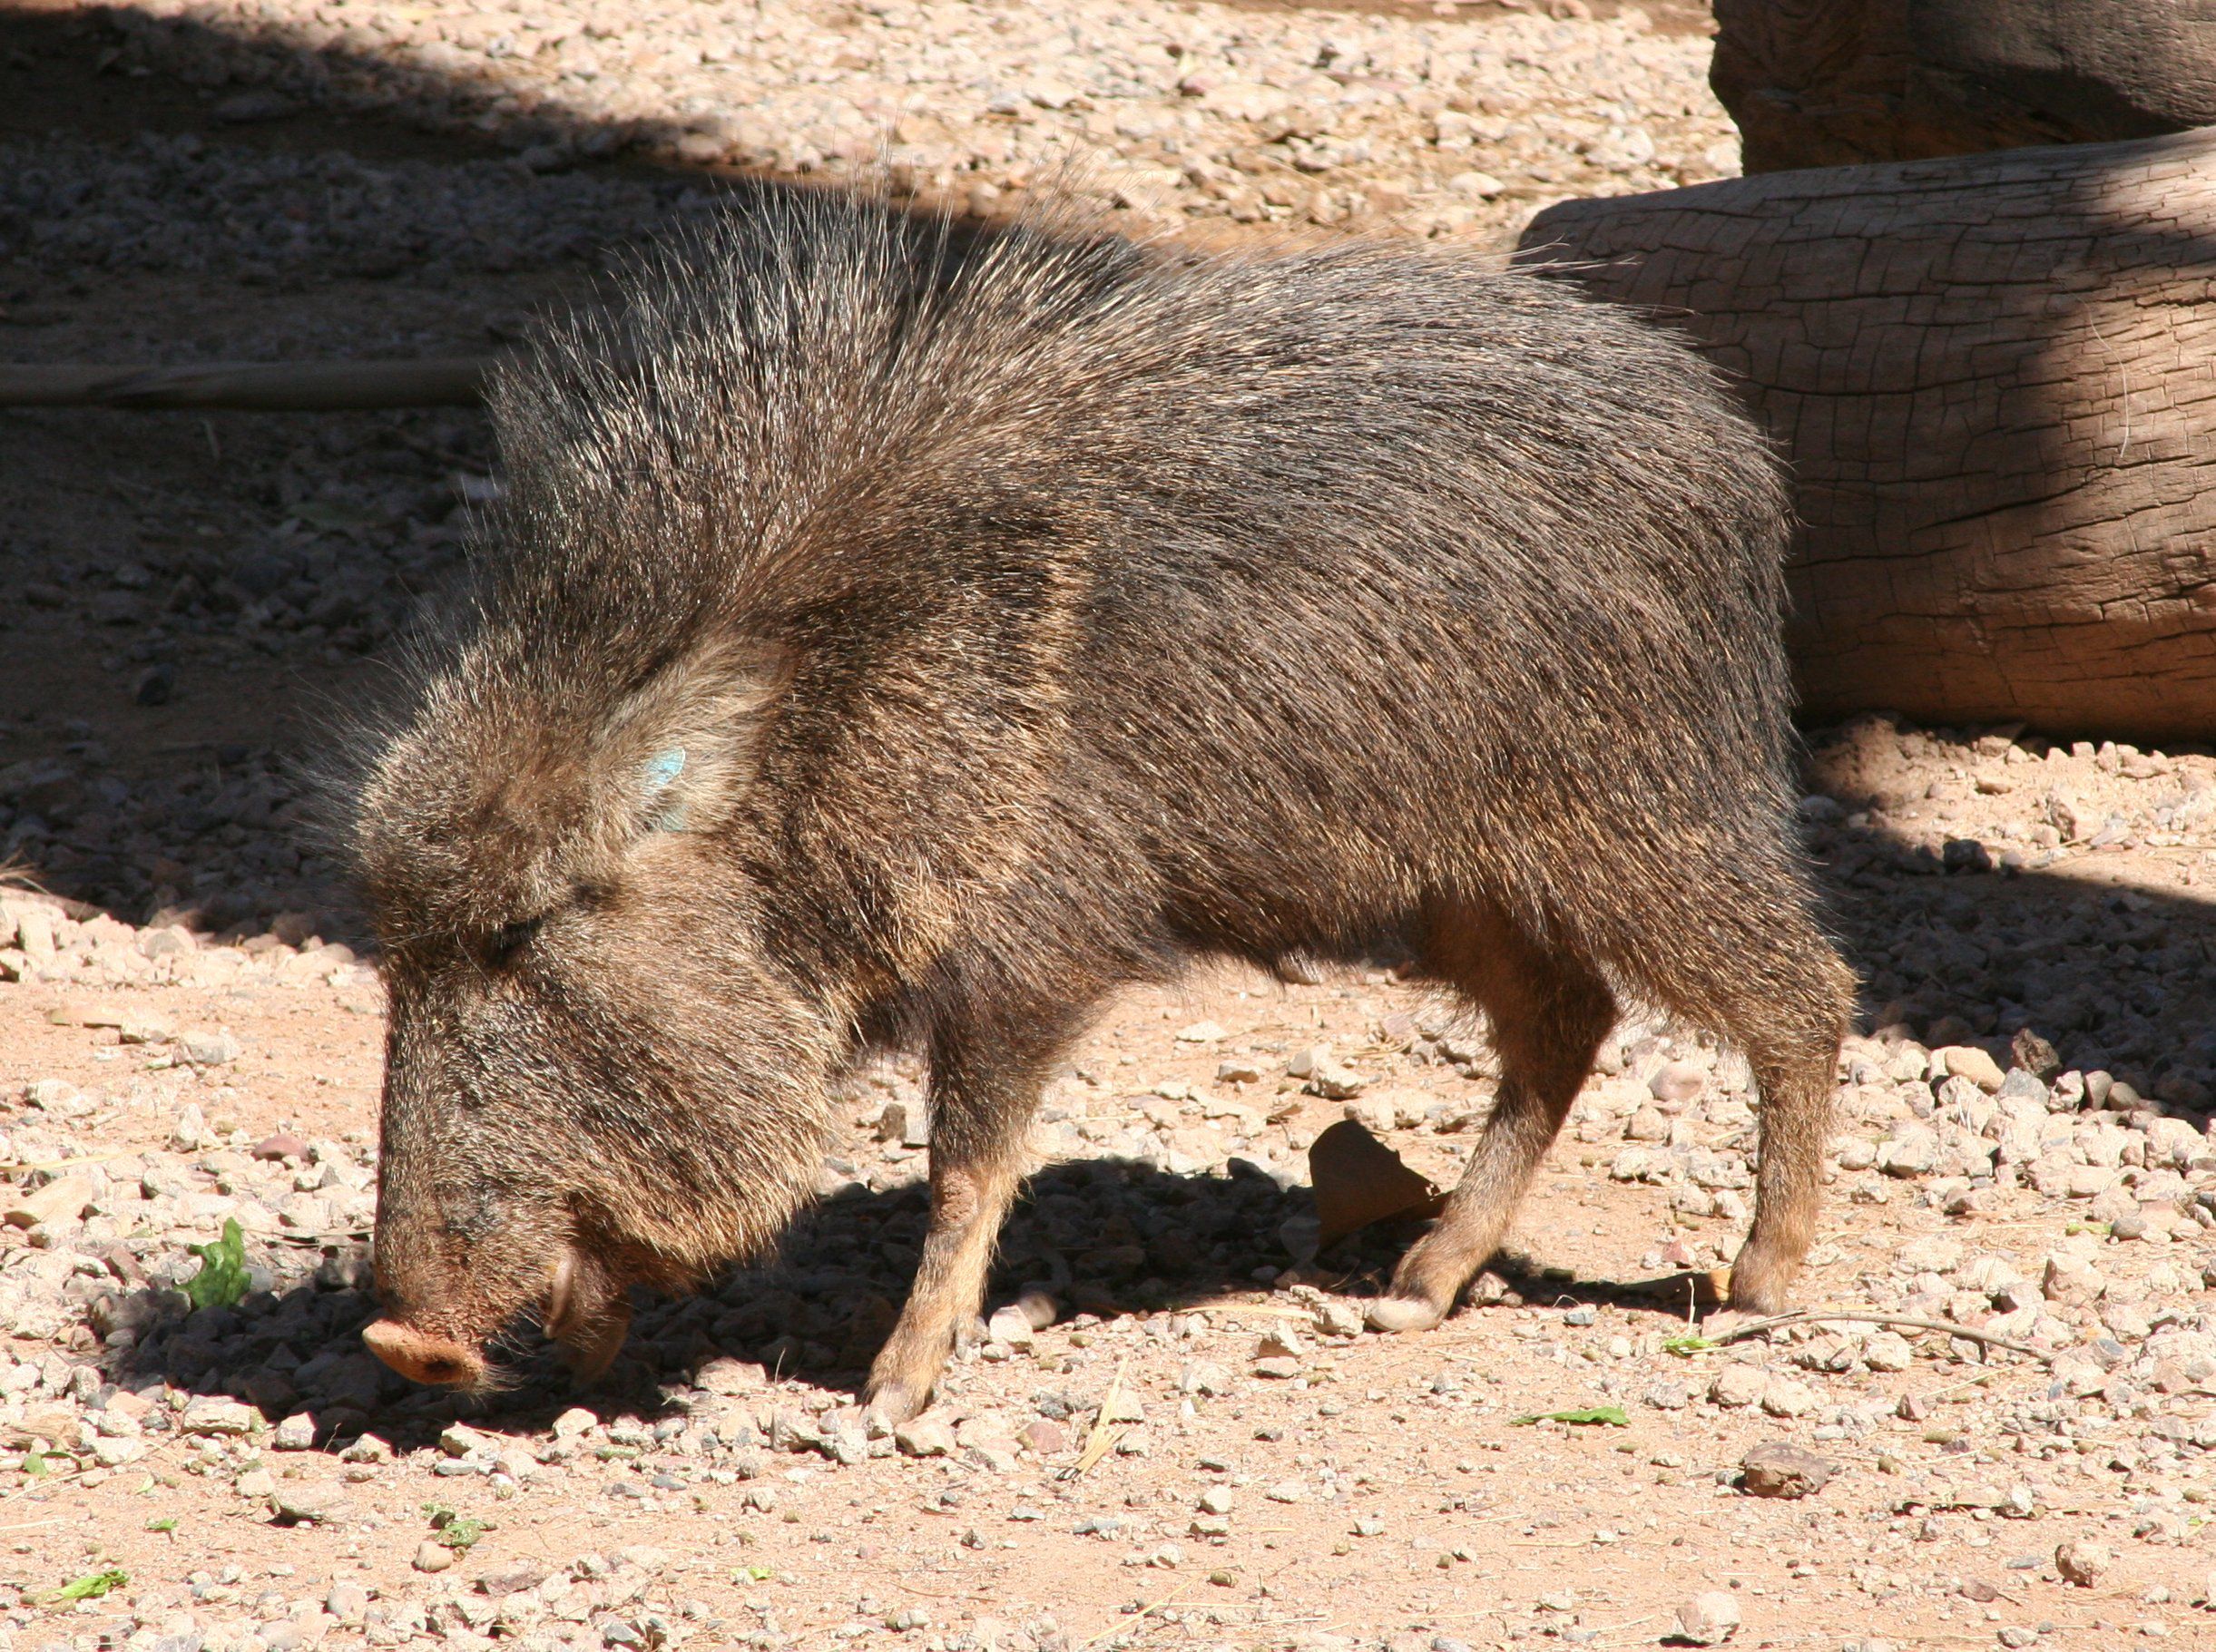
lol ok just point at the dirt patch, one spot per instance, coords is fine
(1199, 1449)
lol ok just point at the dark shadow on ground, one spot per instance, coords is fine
(1107, 1238)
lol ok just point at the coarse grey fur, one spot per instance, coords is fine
(1033, 616)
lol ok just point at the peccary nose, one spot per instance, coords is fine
(421, 1356)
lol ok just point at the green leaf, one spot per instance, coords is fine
(1612, 1415)
(752, 1574)
(438, 1514)
(459, 1532)
(168, 1522)
(92, 1585)
(222, 1279)
(1686, 1343)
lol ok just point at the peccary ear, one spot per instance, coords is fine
(682, 747)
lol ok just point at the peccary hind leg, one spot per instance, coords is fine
(1786, 1005)
(1549, 1015)
(984, 1090)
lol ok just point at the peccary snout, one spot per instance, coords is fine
(422, 1357)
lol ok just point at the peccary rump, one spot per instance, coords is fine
(881, 640)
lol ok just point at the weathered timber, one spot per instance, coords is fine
(1833, 83)
(1995, 379)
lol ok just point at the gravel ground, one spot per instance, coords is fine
(1173, 115)
(190, 1036)
(1161, 1291)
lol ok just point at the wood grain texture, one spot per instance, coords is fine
(1995, 378)
(1830, 82)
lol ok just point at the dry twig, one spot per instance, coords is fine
(1859, 1317)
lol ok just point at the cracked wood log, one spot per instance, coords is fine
(1995, 378)
(1836, 82)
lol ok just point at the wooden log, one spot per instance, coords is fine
(292, 386)
(1995, 378)
(1831, 82)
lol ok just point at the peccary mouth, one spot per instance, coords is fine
(587, 1311)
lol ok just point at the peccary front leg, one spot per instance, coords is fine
(1549, 1015)
(983, 1093)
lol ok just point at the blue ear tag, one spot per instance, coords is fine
(661, 773)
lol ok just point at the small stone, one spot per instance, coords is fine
(1678, 1081)
(346, 1602)
(283, 1145)
(294, 1433)
(1738, 1385)
(311, 1501)
(255, 1483)
(432, 1556)
(1037, 1306)
(575, 1422)
(2082, 1561)
(2032, 1054)
(1333, 1081)
(1280, 1342)
(1282, 1367)
(1708, 1619)
(1648, 1124)
(1043, 1436)
(2071, 1281)
(1484, 186)
(218, 1414)
(1780, 1469)
(209, 1048)
(924, 1436)
(1339, 1317)
(1200, 1033)
(1216, 1500)
(60, 1200)
(794, 1431)
(1889, 1351)
(1968, 1061)
(722, 1375)
(369, 1449)
(1204, 1377)
(460, 1440)
(514, 1578)
(1782, 1397)
(1010, 1326)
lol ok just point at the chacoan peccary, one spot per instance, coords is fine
(881, 643)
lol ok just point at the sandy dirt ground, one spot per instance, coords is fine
(1193, 1444)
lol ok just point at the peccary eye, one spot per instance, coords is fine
(502, 945)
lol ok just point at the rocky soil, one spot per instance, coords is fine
(1171, 1432)
(1455, 121)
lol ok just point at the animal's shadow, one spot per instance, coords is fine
(1108, 1237)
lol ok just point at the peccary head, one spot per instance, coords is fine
(595, 1074)
(764, 656)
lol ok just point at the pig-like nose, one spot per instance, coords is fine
(422, 1356)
